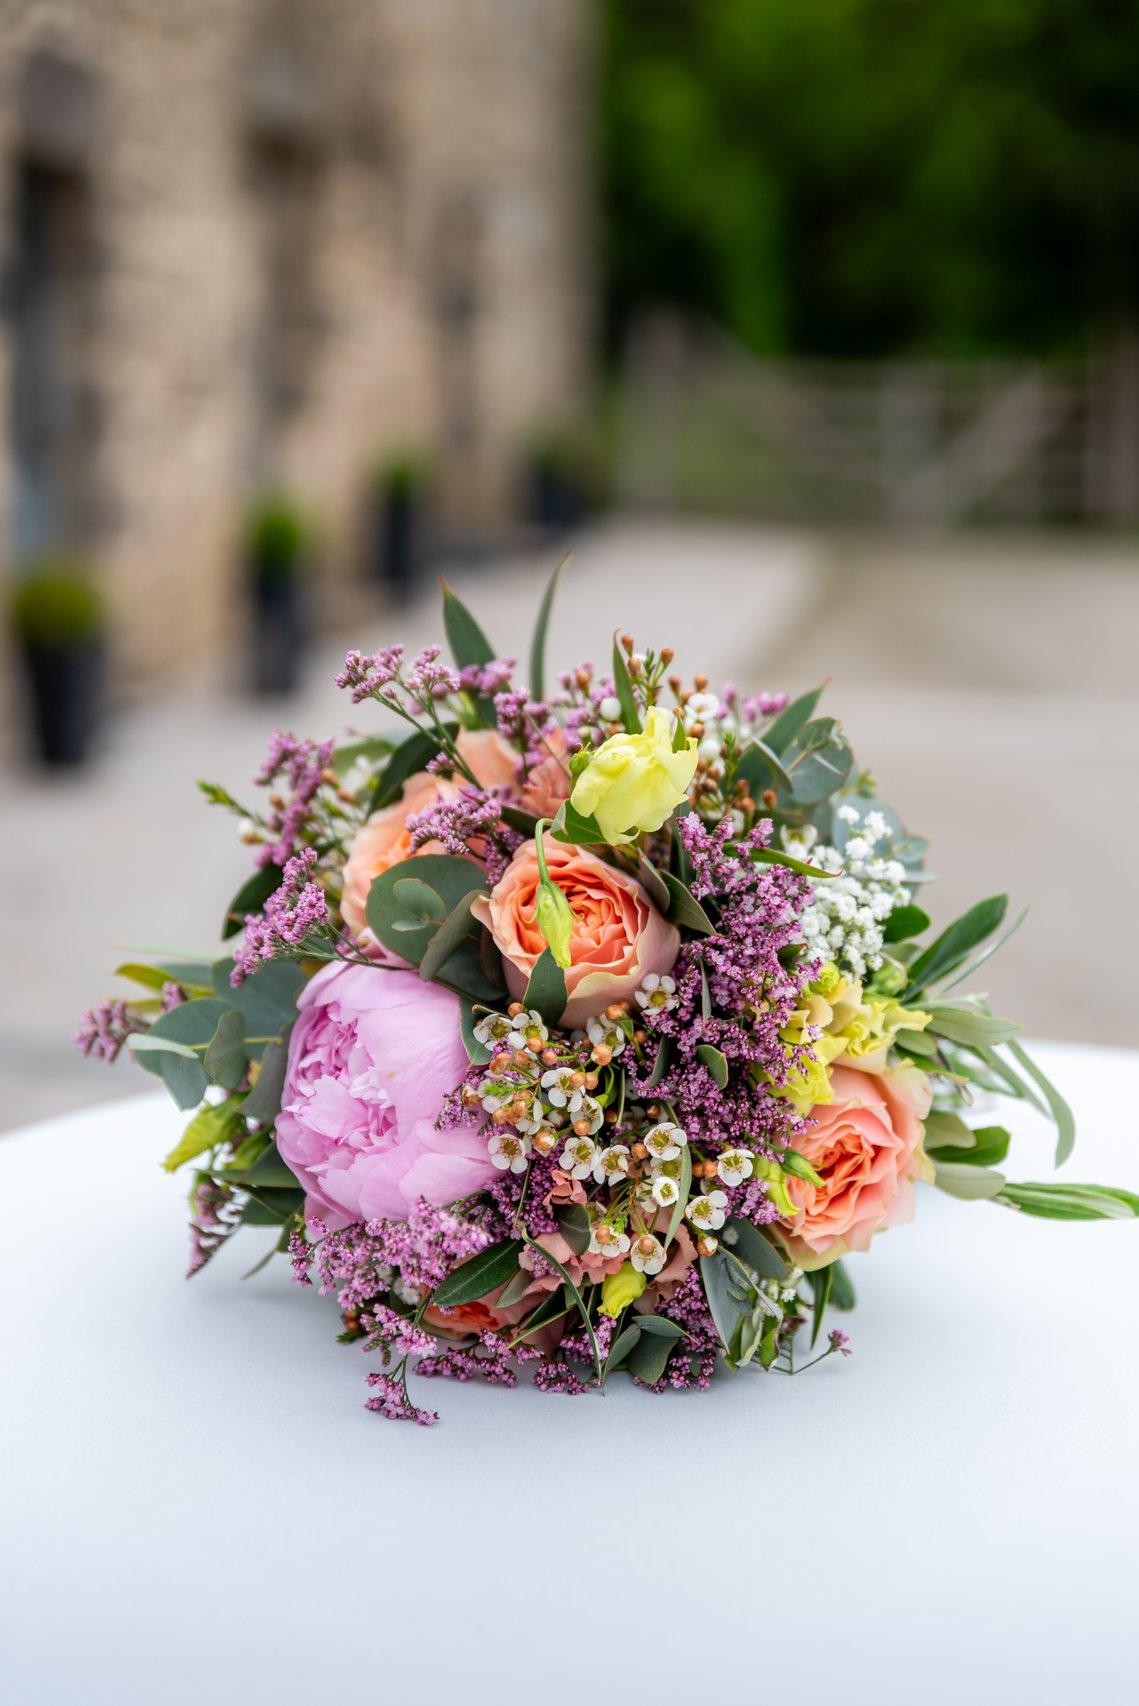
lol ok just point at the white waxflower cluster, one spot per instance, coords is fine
(845, 917)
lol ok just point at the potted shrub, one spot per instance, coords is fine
(59, 626)
(397, 523)
(279, 547)
(561, 479)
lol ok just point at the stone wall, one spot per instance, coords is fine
(299, 233)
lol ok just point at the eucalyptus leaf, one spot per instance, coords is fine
(575, 1227)
(469, 645)
(271, 1206)
(225, 1060)
(760, 768)
(683, 909)
(409, 901)
(648, 1359)
(820, 1282)
(727, 1312)
(747, 1242)
(191, 1025)
(988, 1148)
(664, 1057)
(661, 1326)
(622, 1345)
(714, 1062)
(263, 1102)
(477, 1052)
(818, 761)
(266, 1000)
(842, 1291)
(684, 1189)
(966, 1025)
(779, 734)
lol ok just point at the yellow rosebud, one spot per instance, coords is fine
(633, 782)
(620, 1289)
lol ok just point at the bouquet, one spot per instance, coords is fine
(581, 1030)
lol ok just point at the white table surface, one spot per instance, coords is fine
(195, 1505)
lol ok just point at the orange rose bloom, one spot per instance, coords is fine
(618, 936)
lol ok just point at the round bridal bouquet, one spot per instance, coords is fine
(584, 1028)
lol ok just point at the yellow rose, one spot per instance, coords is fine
(633, 782)
(620, 1289)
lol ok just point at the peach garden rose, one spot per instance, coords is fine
(867, 1146)
(617, 938)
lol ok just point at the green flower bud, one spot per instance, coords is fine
(620, 1289)
(552, 912)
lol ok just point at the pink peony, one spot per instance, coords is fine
(618, 935)
(867, 1146)
(372, 1056)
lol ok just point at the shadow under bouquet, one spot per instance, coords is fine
(580, 1030)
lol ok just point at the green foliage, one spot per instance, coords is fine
(479, 1275)
(278, 537)
(546, 989)
(420, 909)
(56, 603)
(863, 176)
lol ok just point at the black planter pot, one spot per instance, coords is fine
(65, 693)
(555, 499)
(398, 530)
(278, 639)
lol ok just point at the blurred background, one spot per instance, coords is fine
(812, 326)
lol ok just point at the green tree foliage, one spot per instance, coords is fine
(860, 176)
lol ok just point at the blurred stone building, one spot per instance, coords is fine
(254, 244)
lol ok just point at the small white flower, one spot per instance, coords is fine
(848, 813)
(708, 1212)
(509, 1151)
(702, 707)
(609, 709)
(710, 748)
(493, 1029)
(612, 1165)
(605, 1240)
(579, 1157)
(603, 1033)
(657, 994)
(529, 1031)
(664, 1141)
(534, 1120)
(665, 1190)
(592, 1111)
(788, 1294)
(734, 1166)
(561, 1091)
(648, 1254)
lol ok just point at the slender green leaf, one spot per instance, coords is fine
(579, 1301)
(760, 769)
(648, 1359)
(820, 1282)
(623, 687)
(988, 1148)
(477, 1053)
(1061, 1113)
(1071, 1202)
(479, 1275)
(842, 1291)
(411, 756)
(469, 645)
(905, 922)
(951, 947)
(250, 898)
(622, 1345)
(958, 1179)
(574, 829)
(541, 626)
(546, 990)
(684, 1188)
(966, 1025)
(453, 931)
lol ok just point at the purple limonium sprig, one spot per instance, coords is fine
(490, 1360)
(294, 913)
(103, 1030)
(368, 674)
(486, 679)
(763, 705)
(474, 817)
(751, 994)
(302, 764)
